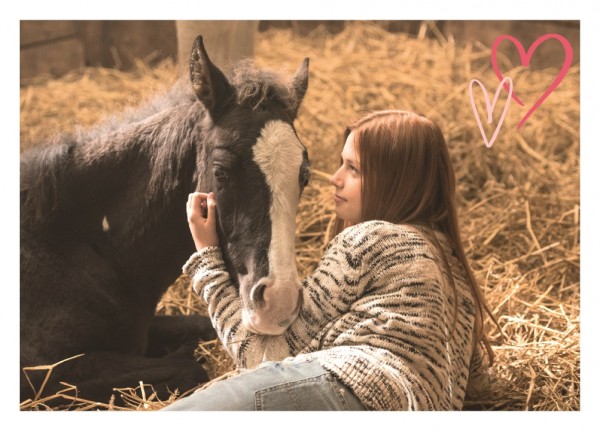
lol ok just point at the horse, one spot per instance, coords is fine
(103, 232)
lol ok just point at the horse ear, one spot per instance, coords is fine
(210, 84)
(300, 85)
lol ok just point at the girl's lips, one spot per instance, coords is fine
(338, 198)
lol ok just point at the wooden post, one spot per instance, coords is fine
(225, 41)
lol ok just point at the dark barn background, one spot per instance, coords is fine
(53, 48)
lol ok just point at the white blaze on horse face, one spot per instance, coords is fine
(279, 154)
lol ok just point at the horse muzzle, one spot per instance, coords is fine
(271, 305)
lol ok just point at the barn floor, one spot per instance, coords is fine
(519, 200)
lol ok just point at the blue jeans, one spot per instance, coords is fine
(274, 386)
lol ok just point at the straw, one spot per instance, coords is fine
(519, 201)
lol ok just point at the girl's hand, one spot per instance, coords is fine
(201, 215)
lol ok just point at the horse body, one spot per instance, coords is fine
(104, 233)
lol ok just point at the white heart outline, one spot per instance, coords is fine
(490, 108)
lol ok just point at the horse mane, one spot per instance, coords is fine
(144, 131)
(256, 87)
(42, 170)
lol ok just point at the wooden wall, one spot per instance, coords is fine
(526, 32)
(50, 48)
(53, 48)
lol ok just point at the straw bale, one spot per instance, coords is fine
(519, 201)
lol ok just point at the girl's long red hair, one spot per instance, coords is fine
(408, 177)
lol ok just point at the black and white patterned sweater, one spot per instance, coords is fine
(377, 313)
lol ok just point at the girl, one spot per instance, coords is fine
(392, 318)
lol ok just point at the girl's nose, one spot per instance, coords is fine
(335, 179)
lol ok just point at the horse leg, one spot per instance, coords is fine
(168, 333)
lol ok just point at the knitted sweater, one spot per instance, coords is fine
(377, 313)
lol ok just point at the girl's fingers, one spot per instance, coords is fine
(211, 207)
(201, 212)
(198, 203)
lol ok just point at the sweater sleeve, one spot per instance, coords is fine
(338, 267)
(401, 332)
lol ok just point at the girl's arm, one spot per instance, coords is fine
(320, 305)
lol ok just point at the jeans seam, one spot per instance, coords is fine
(286, 385)
(339, 391)
(326, 376)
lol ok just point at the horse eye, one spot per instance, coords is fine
(306, 178)
(221, 174)
(305, 173)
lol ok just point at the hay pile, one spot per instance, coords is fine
(518, 200)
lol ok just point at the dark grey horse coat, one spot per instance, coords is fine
(104, 233)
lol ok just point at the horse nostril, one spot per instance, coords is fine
(257, 295)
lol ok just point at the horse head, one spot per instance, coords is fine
(251, 158)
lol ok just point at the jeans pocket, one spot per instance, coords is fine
(311, 394)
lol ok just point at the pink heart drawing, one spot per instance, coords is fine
(526, 58)
(490, 107)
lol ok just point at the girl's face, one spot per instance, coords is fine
(348, 184)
